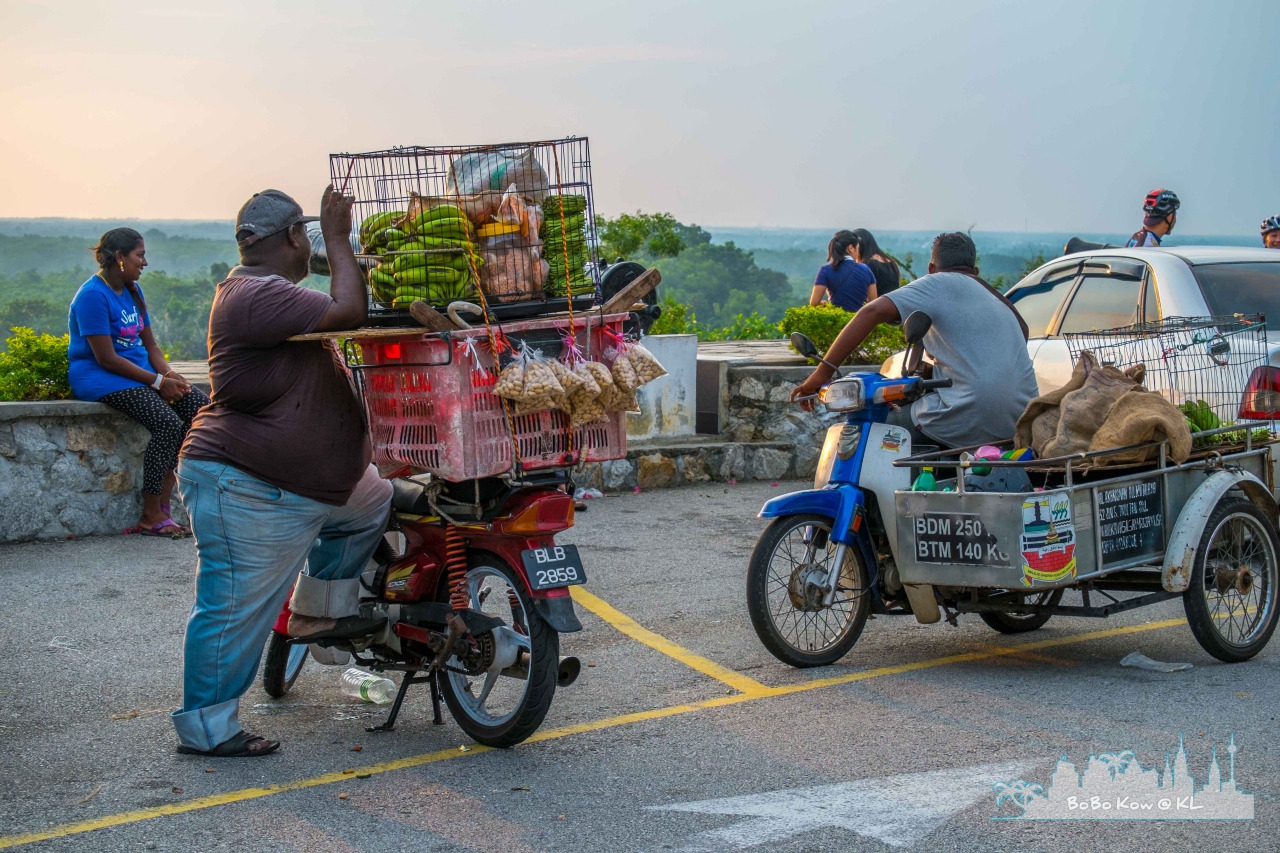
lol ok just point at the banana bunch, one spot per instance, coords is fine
(428, 256)
(563, 233)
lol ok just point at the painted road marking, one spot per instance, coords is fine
(243, 794)
(636, 631)
(898, 810)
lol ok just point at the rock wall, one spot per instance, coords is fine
(69, 469)
(759, 408)
(652, 465)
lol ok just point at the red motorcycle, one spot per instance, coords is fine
(475, 604)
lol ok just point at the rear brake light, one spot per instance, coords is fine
(1261, 401)
(547, 515)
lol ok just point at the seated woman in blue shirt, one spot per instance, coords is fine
(848, 283)
(114, 359)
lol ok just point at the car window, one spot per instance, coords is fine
(1037, 303)
(1102, 302)
(1241, 288)
(1150, 310)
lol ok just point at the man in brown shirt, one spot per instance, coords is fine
(275, 472)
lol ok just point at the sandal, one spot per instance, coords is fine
(167, 528)
(238, 746)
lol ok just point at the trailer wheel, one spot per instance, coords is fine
(1231, 602)
(1014, 623)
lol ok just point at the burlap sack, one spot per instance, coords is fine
(1138, 417)
(1065, 421)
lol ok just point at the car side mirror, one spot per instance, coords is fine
(915, 328)
(803, 345)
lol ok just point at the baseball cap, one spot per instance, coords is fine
(265, 214)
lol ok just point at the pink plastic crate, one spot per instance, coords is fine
(431, 407)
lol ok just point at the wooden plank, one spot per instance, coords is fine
(430, 318)
(633, 292)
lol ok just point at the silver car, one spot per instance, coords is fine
(1109, 288)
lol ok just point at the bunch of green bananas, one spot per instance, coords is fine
(564, 245)
(431, 256)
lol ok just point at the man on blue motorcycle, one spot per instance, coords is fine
(978, 340)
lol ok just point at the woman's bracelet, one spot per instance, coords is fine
(158, 383)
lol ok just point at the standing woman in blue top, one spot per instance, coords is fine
(848, 283)
(114, 359)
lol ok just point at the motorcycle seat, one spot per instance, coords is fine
(408, 496)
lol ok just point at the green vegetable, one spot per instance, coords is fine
(377, 222)
(440, 213)
(381, 276)
(428, 275)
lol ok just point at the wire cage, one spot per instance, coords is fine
(1201, 364)
(512, 224)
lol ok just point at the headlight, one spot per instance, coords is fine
(843, 395)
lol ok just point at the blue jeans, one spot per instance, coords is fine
(252, 542)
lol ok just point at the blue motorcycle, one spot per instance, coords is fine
(827, 559)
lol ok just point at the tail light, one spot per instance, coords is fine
(548, 514)
(1261, 401)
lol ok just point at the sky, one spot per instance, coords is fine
(895, 115)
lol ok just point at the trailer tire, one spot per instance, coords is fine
(1009, 623)
(1231, 602)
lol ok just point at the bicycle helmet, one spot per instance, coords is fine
(1161, 202)
(1271, 223)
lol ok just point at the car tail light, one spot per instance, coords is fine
(1261, 401)
(546, 515)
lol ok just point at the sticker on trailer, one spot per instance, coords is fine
(1048, 540)
(956, 538)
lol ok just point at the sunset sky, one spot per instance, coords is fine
(1002, 116)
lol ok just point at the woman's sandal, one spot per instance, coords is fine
(235, 747)
(168, 527)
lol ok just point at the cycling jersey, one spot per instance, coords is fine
(1143, 238)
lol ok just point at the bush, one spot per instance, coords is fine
(34, 367)
(822, 323)
(676, 319)
(752, 328)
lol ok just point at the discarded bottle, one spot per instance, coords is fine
(925, 482)
(359, 684)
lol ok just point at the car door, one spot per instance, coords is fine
(1039, 299)
(1107, 294)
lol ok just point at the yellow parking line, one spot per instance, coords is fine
(554, 734)
(636, 631)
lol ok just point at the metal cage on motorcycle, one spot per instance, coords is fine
(528, 238)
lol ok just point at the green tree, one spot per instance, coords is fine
(41, 315)
(644, 235)
(722, 281)
(34, 367)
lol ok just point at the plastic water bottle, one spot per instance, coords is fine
(359, 684)
(925, 482)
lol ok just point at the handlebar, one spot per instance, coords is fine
(930, 384)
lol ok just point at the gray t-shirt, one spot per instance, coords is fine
(978, 345)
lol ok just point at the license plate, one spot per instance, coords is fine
(558, 565)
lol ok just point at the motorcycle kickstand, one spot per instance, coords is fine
(390, 723)
(436, 718)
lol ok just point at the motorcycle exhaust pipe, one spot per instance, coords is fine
(568, 672)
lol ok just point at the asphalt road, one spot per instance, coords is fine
(897, 746)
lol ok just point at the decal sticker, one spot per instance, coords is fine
(1048, 541)
(892, 440)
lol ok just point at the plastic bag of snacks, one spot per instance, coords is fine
(530, 382)
(647, 368)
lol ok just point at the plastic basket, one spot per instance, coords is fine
(430, 404)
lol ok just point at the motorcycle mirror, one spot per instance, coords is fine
(917, 326)
(803, 345)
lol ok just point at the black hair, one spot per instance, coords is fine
(838, 248)
(121, 241)
(955, 250)
(869, 248)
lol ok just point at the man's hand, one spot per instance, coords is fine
(335, 214)
(810, 387)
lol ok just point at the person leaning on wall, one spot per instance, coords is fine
(114, 359)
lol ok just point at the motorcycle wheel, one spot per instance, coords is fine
(282, 665)
(498, 709)
(796, 636)
(1011, 623)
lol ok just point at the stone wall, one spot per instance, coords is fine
(69, 469)
(657, 465)
(759, 408)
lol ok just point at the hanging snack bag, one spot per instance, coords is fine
(647, 368)
(542, 391)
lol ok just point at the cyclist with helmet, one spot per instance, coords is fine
(1271, 232)
(1161, 209)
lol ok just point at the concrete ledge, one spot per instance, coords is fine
(54, 409)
